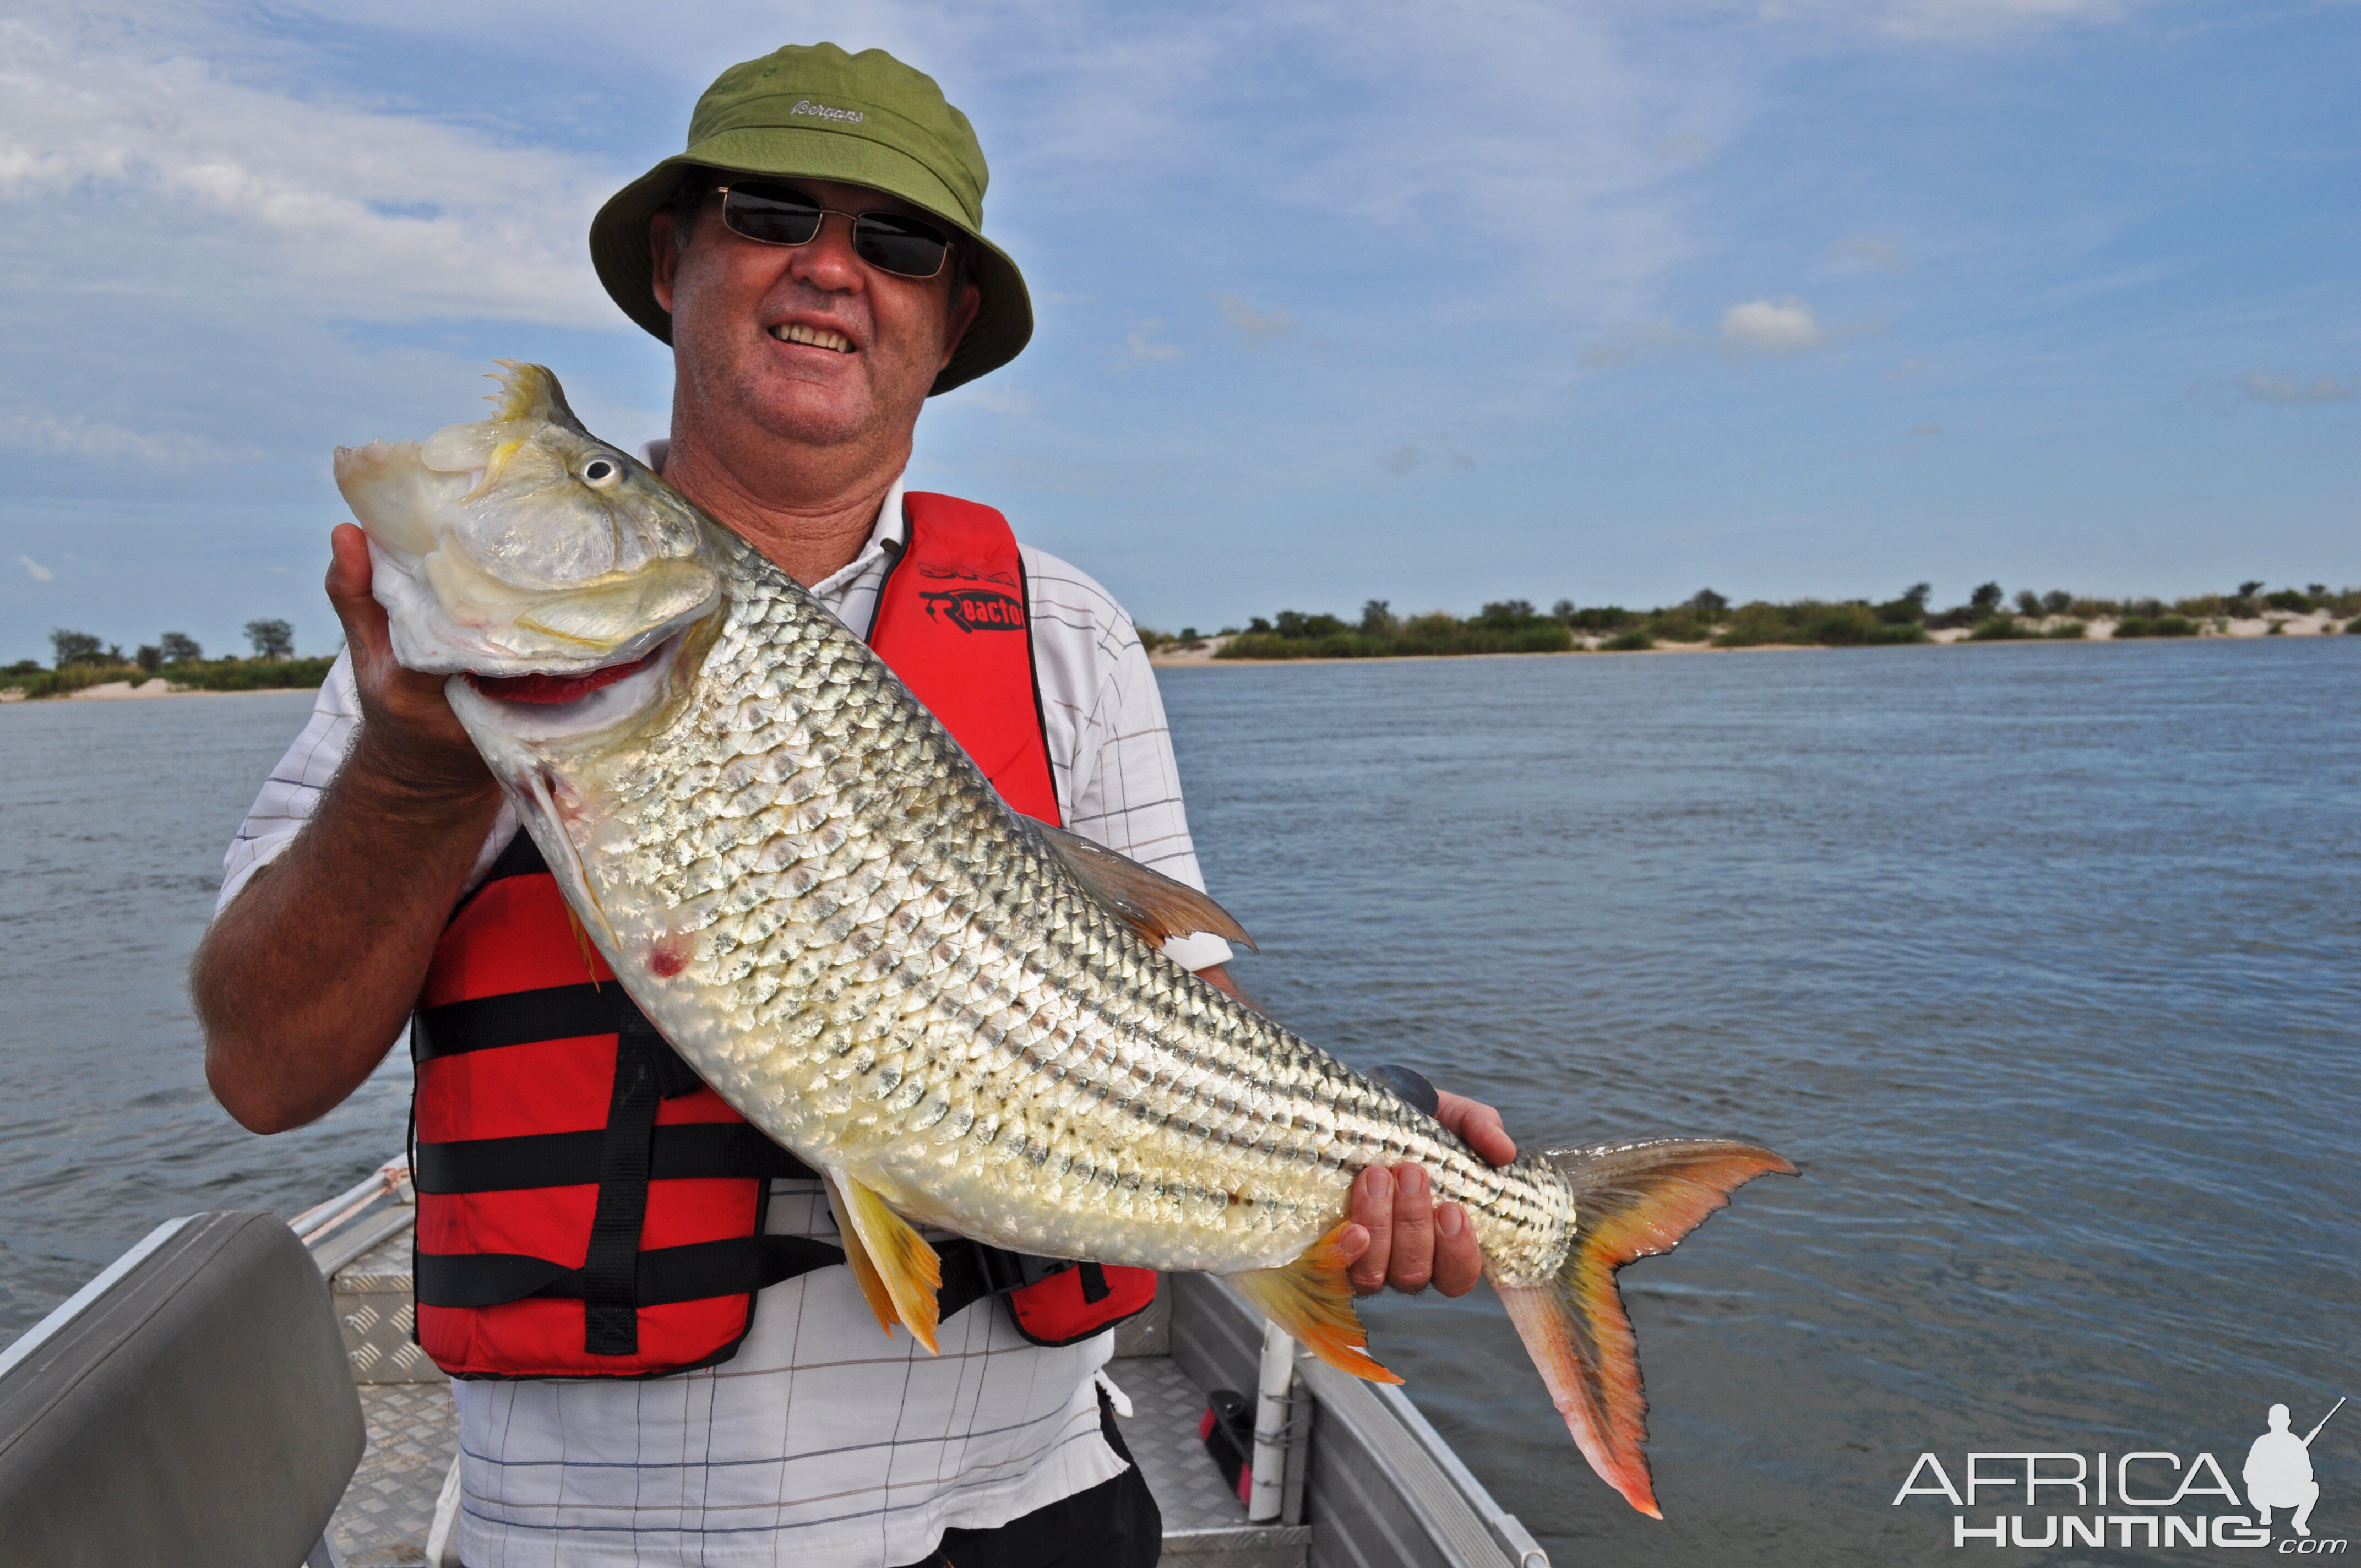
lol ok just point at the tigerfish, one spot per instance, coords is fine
(958, 1015)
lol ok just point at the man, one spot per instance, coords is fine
(2278, 1473)
(815, 258)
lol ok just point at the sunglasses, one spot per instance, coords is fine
(781, 214)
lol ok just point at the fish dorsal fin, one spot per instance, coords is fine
(1148, 902)
(890, 1259)
(531, 391)
(1312, 1300)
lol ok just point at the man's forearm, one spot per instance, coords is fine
(307, 977)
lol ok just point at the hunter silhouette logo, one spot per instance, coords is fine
(976, 610)
(2151, 1497)
(2279, 1471)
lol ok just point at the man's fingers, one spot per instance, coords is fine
(407, 719)
(1478, 1125)
(350, 574)
(1372, 1209)
(1410, 1263)
(1458, 1261)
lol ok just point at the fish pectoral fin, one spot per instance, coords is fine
(1312, 1300)
(899, 1261)
(856, 1257)
(1148, 902)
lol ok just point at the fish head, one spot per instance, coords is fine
(524, 548)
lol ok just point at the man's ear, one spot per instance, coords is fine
(663, 254)
(962, 316)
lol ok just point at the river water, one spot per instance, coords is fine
(2041, 961)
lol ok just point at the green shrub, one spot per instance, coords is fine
(1758, 625)
(1600, 619)
(2068, 631)
(41, 683)
(1680, 626)
(1632, 641)
(251, 674)
(1856, 626)
(1325, 637)
(2001, 628)
(2156, 626)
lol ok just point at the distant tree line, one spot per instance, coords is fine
(71, 650)
(1515, 626)
(80, 659)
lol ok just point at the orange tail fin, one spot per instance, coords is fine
(1631, 1199)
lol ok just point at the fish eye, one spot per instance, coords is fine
(602, 473)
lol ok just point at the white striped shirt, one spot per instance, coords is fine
(821, 1443)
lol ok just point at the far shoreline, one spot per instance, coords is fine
(2316, 623)
(124, 691)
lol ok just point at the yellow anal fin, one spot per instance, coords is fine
(856, 1257)
(1312, 1300)
(581, 941)
(1148, 902)
(896, 1267)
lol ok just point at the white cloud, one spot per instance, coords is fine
(1143, 345)
(1254, 324)
(2270, 387)
(1960, 22)
(1985, 21)
(35, 570)
(1759, 326)
(327, 205)
(100, 440)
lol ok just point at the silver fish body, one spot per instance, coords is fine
(958, 1015)
(825, 906)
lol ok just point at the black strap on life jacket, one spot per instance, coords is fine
(972, 1272)
(617, 1278)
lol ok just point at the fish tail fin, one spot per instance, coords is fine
(1312, 1300)
(1629, 1199)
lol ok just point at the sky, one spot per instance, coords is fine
(1437, 304)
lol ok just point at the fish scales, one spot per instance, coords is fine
(964, 1018)
(1065, 1036)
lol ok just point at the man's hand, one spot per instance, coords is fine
(1404, 1238)
(411, 738)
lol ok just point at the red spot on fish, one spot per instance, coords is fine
(667, 956)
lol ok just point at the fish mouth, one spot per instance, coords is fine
(542, 690)
(550, 707)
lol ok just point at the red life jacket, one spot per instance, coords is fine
(587, 1206)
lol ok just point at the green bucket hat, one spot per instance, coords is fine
(818, 112)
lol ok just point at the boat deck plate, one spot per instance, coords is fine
(414, 1431)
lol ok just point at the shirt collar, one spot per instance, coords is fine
(892, 529)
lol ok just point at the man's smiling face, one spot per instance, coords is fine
(806, 344)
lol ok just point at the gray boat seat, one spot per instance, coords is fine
(192, 1406)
